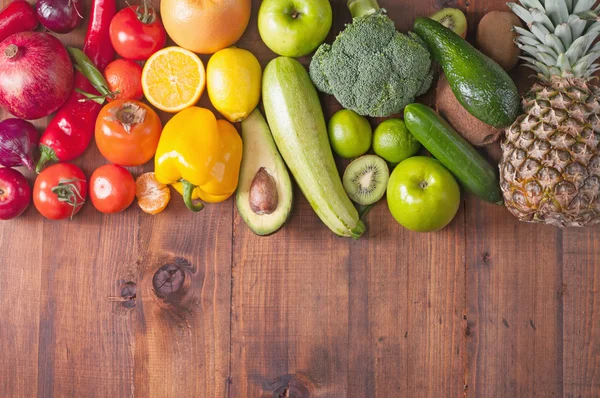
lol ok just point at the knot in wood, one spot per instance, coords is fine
(290, 385)
(168, 280)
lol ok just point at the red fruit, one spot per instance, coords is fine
(112, 189)
(15, 194)
(59, 191)
(137, 32)
(124, 77)
(36, 74)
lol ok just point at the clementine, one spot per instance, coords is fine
(205, 27)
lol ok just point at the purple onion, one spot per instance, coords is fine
(60, 16)
(18, 142)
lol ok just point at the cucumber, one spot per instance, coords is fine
(480, 84)
(454, 152)
(296, 119)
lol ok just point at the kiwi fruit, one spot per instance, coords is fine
(472, 129)
(495, 38)
(453, 19)
(365, 179)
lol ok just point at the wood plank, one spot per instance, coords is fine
(182, 324)
(580, 299)
(20, 288)
(289, 319)
(514, 327)
(407, 300)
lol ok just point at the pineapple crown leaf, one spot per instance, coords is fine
(560, 35)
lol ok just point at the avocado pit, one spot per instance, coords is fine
(263, 193)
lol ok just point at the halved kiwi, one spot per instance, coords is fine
(453, 19)
(365, 179)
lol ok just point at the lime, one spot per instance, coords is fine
(393, 142)
(349, 134)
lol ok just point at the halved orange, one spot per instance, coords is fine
(153, 196)
(173, 79)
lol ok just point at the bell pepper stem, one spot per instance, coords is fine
(188, 190)
(47, 155)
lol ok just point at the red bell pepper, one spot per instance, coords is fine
(18, 16)
(69, 133)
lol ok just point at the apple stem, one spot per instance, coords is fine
(360, 8)
(295, 14)
(423, 184)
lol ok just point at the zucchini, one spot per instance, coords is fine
(453, 151)
(296, 119)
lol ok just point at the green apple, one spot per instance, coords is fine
(422, 194)
(294, 28)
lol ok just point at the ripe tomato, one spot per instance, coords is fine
(137, 32)
(127, 132)
(112, 189)
(124, 77)
(59, 191)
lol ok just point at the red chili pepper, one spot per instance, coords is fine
(97, 44)
(69, 133)
(18, 16)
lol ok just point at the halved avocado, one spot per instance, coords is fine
(264, 194)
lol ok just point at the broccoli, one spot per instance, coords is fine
(370, 67)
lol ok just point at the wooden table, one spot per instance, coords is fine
(487, 307)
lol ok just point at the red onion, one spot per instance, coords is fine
(36, 74)
(18, 141)
(60, 16)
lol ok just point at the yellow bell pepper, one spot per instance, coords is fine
(200, 156)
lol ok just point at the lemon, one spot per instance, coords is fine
(233, 81)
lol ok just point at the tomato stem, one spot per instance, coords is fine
(148, 15)
(66, 191)
(188, 190)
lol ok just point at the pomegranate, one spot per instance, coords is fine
(36, 74)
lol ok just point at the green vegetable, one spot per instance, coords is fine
(370, 68)
(481, 85)
(453, 151)
(296, 119)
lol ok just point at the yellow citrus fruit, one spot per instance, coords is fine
(152, 195)
(173, 79)
(233, 80)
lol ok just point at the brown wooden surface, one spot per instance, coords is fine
(488, 307)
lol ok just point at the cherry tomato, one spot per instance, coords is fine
(127, 132)
(112, 189)
(137, 32)
(59, 191)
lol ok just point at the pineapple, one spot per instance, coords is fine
(550, 167)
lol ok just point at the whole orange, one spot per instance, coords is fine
(127, 132)
(124, 77)
(205, 27)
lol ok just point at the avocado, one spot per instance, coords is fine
(264, 195)
(481, 85)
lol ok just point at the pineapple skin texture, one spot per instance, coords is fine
(550, 168)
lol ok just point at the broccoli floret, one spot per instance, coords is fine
(370, 67)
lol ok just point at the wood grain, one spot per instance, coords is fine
(182, 304)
